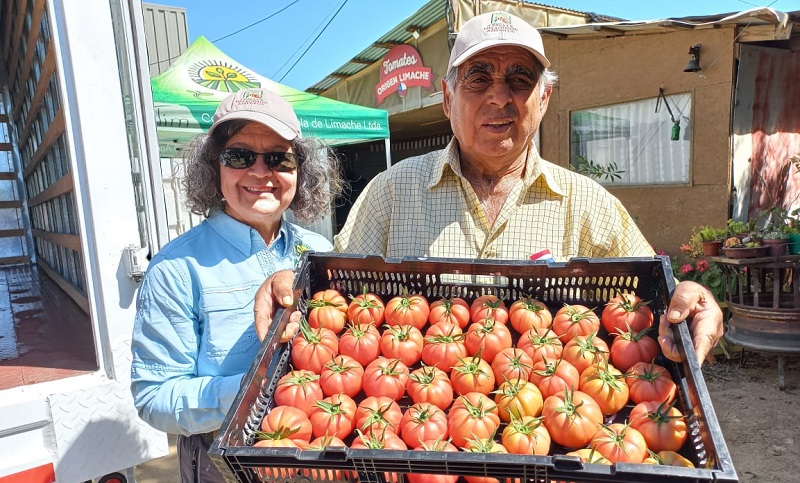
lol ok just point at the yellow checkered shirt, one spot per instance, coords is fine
(423, 206)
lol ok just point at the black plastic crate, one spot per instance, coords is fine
(590, 282)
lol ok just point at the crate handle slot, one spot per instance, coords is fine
(329, 453)
(567, 463)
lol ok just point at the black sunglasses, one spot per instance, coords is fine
(240, 158)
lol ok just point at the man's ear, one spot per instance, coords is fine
(544, 99)
(445, 99)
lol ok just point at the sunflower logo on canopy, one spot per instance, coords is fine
(222, 76)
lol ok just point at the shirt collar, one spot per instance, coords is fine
(239, 235)
(537, 167)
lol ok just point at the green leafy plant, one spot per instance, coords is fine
(708, 233)
(589, 168)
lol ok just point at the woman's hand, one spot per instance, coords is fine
(694, 302)
(276, 291)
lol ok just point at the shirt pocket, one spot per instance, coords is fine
(228, 314)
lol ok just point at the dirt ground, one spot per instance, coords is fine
(760, 422)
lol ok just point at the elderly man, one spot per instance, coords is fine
(489, 194)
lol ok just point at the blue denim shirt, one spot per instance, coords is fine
(193, 337)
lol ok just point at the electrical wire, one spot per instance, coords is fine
(299, 47)
(254, 23)
(313, 41)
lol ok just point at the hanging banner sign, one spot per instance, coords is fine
(402, 68)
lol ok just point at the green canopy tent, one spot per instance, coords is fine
(186, 95)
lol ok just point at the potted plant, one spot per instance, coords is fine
(711, 239)
(743, 246)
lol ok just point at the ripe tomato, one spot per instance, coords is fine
(342, 374)
(366, 308)
(584, 351)
(484, 445)
(385, 377)
(538, 344)
(631, 347)
(402, 342)
(619, 443)
(606, 385)
(512, 363)
(379, 440)
(319, 444)
(378, 413)
(571, 418)
(453, 309)
(662, 425)
(444, 346)
(422, 421)
(298, 388)
(487, 338)
(526, 435)
(488, 305)
(327, 308)
(650, 382)
(589, 455)
(276, 443)
(437, 444)
(572, 320)
(516, 398)
(472, 374)
(668, 458)
(362, 342)
(624, 311)
(334, 416)
(407, 310)
(553, 376)
(286, 422)
(527, 313)
(313, 348)
(472, 415)
(431, 385)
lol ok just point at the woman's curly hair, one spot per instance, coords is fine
(319, 177)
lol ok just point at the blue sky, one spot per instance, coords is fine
(302, 41)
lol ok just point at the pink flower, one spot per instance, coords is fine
(685, 248)
(702, 265)
(687, 268)
(661, 252)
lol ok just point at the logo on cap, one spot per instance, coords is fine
(500, 22)
(252, 95)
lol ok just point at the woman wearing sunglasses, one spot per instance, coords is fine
(194, 337)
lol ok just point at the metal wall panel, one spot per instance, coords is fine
(166, 34)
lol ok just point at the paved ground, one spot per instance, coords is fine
(161, 470)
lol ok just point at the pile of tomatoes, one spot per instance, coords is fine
(484, 376)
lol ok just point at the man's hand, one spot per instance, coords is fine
(694, 302)
(274, 292)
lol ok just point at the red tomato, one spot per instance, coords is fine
(334, 416)
(327, 308)
(484, 445)
(516, 398)
(286, 422)
(433, 445)
(408, 310)
(472, 374)
(378, 413)
(402, 342)
(472, 415)
(488, 305)
(487, 338)
(453, 309)
(619, 443)
(298, 388)
(527, 313)
(662, 425)
(572, 320)
(668, 458)
(631, 347)
(342, 374)
(552, 377)
(606, 385)
(431, 385)
(571, 418)
(526, 435)
(366, 308)
(538, 344)
(650, 382)
(362, 342)
(376, 440)
(275, 443)
(512, 363)
(584, 351)
(386, 377)
(625, 311)
(444, 346)
(313, 348)
(423, 421)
